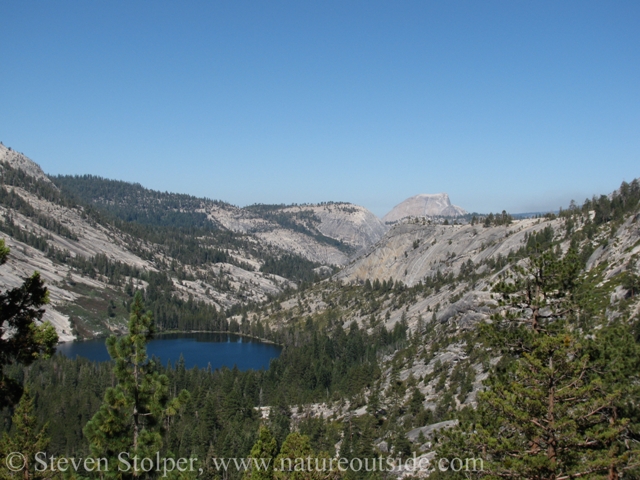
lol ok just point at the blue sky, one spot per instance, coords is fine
(504, 105)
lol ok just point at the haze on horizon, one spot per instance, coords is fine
(502, 105)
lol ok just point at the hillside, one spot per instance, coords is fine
(434, 286)
(94, 240)
(328, 234)
(399, 352)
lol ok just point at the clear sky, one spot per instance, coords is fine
(512, 105)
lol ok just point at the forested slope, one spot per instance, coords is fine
(514, 341)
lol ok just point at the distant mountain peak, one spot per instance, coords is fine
(424, 205)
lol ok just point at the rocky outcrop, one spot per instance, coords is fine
(18, 161)
(303, 245)
(424, 205)
(430, 430)
(410, 252)
(351, 224)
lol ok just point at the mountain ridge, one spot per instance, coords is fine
(200, 250)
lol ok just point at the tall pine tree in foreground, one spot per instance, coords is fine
(561, 404)
(133, 414)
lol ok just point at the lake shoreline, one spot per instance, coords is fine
(170, 332)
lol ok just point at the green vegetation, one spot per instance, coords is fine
(26, 438)
(131, 419)
(9, 199)
(292, 267)
(22, 340)
(562, 403)
(219, 416)
(498, 219)
(131, 202)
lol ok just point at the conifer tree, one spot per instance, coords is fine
(551, 417)
(24, 439)
(298, 461)
(130, 420)
(560, 404)
(539, 293)
(263, 455)
(22, 340)
(615, 358)
(280, 418)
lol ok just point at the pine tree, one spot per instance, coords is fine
(540, 292)
(561, 403)
(263, 454)
(280, 418)
(615, 357)
(551, 417)
(22, 340)
(25, 439)
(130, 420)
(298, 461)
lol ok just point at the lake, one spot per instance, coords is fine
(198, 349)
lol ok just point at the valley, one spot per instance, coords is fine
(386, 327)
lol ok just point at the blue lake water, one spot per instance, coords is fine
(198, 349)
